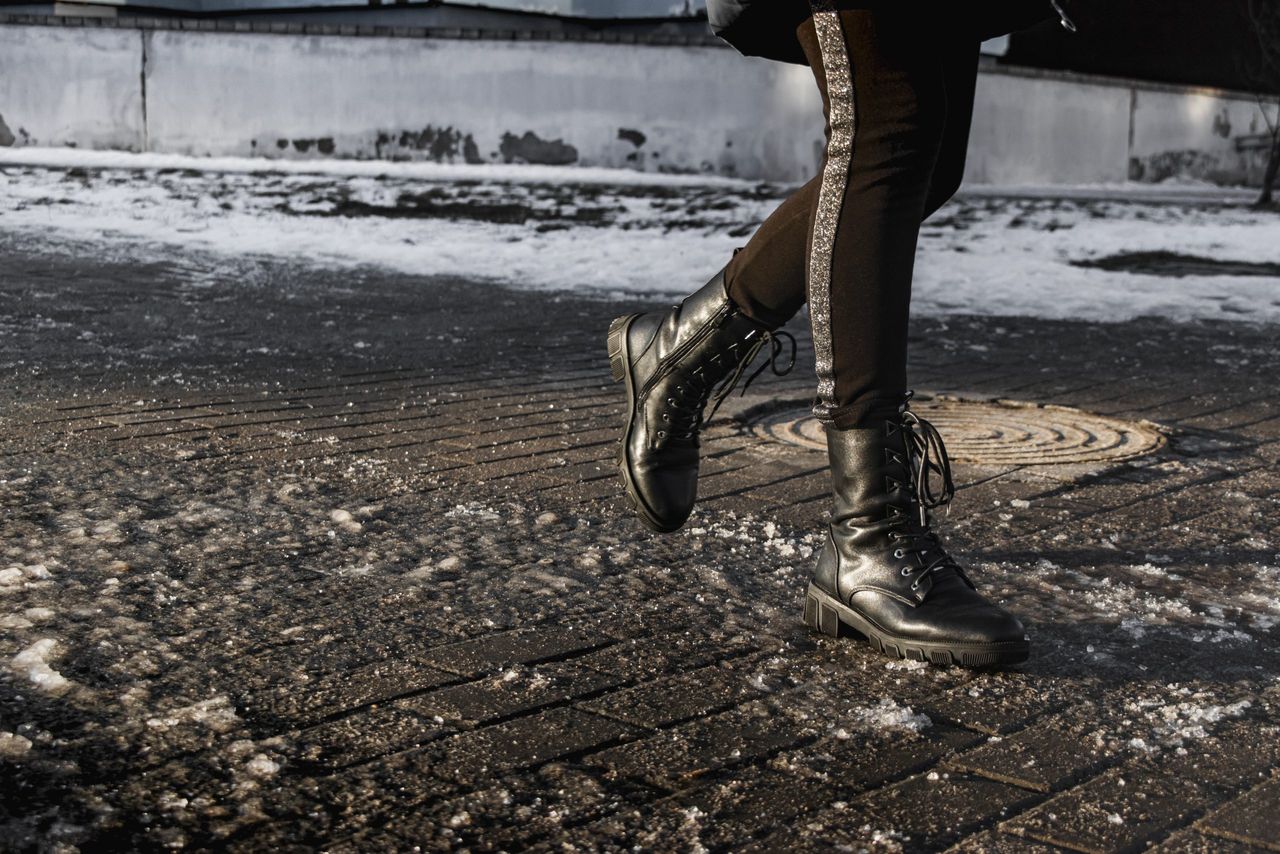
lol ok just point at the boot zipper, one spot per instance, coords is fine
(679, 352)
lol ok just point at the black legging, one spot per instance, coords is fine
(897, 92)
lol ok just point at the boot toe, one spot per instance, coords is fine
(964, 620)
(973, 622)
(668, 493)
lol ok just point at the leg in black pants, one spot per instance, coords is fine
(909, 109)
(893, 81)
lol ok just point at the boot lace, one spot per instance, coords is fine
(684, 410)
(929, 479)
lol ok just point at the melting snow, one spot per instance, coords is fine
(13, 746)
(1173, 724)
(888, 714)
(33, 663)
(985, 255)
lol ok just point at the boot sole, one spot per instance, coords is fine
(620, 367)
(828, 615)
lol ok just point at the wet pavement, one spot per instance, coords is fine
(315, 559)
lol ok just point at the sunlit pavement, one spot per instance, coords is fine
(323, 559)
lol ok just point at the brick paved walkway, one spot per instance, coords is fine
(319, 559)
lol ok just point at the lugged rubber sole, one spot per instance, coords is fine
(828, 615)
(620, 368)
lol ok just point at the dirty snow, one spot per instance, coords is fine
(33, 664)
(886, 715)
(610, 231)
(13, 746)
(1173, 724)
(216, 713)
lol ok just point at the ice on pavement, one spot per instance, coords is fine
(33, 664)
(610, 231)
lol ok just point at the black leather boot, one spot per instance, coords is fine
(671, 362)
(883, 571)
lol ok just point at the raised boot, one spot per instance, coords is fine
(883, 571)
(671, 363)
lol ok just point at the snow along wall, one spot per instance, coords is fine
(236, 88)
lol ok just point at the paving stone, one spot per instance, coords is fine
(1238, 755)
(860, 760)
(996, 705)
(674, 758)
(1046, 756)
(513, 692)
(956, 805)
(514, 814)
(365, 735)
(667, 701)
(1253, 818)
(651, 657)
(344, 691)
(756, 802)
(922, 813)
(519, 646)
(519, 743)
(1195, 842)
(1122, 810)
(993, 841)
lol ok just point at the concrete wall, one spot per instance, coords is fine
(608, 105)
(63, 86)
(1038, 130)
(1194, 134)
(688, 108)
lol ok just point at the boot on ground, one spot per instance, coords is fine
(883, 572)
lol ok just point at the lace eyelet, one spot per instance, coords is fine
(662, 434)
(915, 585)
(906, 571)
(898, 554)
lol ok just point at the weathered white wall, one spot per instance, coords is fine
(679, 108)
(1037, 130)
(221, 93)
(1193, 134)
(61, 86)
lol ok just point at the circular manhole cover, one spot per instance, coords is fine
(1004, 433)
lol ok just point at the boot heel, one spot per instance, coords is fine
(617, 331)
(821, 617)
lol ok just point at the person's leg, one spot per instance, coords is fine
(883, 572)
(885, 101)
(767, 276)
(959, 79)
(670, 360)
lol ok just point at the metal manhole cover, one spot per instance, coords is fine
(1003, 433)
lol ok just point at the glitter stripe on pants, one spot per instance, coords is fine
(842, 121)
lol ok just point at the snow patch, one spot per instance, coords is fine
(33, 663)
(262, 767)
(70, 158)
(988, 256)
(1173, 724)
(889, 715)
(216, 713)
(13, 746)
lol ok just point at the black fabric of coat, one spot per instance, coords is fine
(767, 27)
